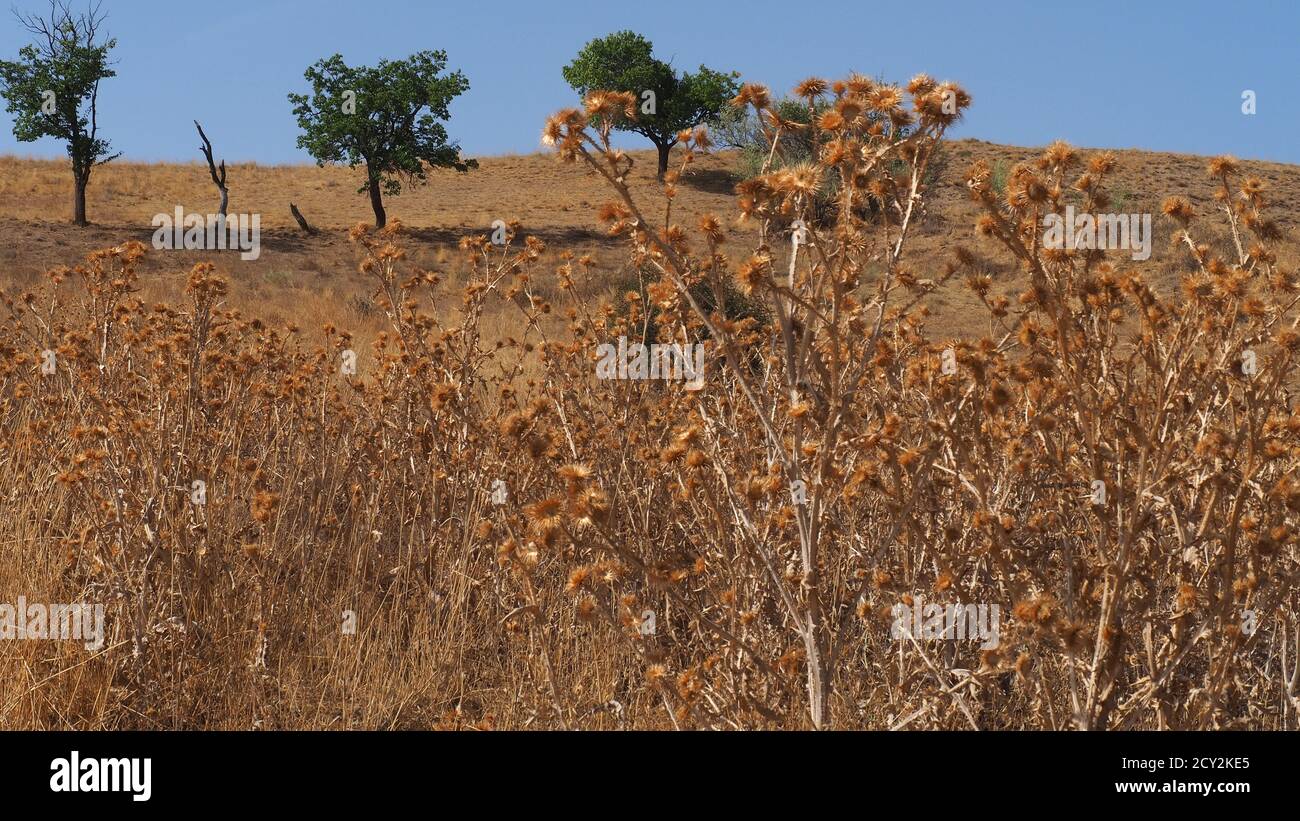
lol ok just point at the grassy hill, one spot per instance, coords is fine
(300, 277)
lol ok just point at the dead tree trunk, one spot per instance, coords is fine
(302, 221)
(218, 179)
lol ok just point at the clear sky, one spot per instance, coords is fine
(1156, 75)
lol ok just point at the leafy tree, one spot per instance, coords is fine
(52, 89)
(372, 117)
(623, 61)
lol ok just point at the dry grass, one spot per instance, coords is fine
(555, 202)
(329, 493)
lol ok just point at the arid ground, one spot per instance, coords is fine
(311, 279)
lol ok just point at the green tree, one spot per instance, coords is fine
(52, 89)
(373, 117)
(668, 102)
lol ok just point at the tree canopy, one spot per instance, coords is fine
(668, 102)
(388, 117)
(52, 89)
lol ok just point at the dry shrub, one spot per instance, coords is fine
(1110, 466)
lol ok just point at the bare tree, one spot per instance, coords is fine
(218, 179)
(302, 221)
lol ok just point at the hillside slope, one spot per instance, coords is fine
(301, 277)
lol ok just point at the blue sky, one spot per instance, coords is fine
(1154, 75)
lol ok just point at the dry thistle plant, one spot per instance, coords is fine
(833, 467)
(237, 501)
(765, 461)
(456, 527)
(1131, 466)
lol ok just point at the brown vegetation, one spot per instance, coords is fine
(372, 494)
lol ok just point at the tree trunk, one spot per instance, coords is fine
(302, 221)
(218, 178)
(79, 202)
(377, 201)
(663, 160)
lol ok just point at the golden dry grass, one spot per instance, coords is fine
(298, 273)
